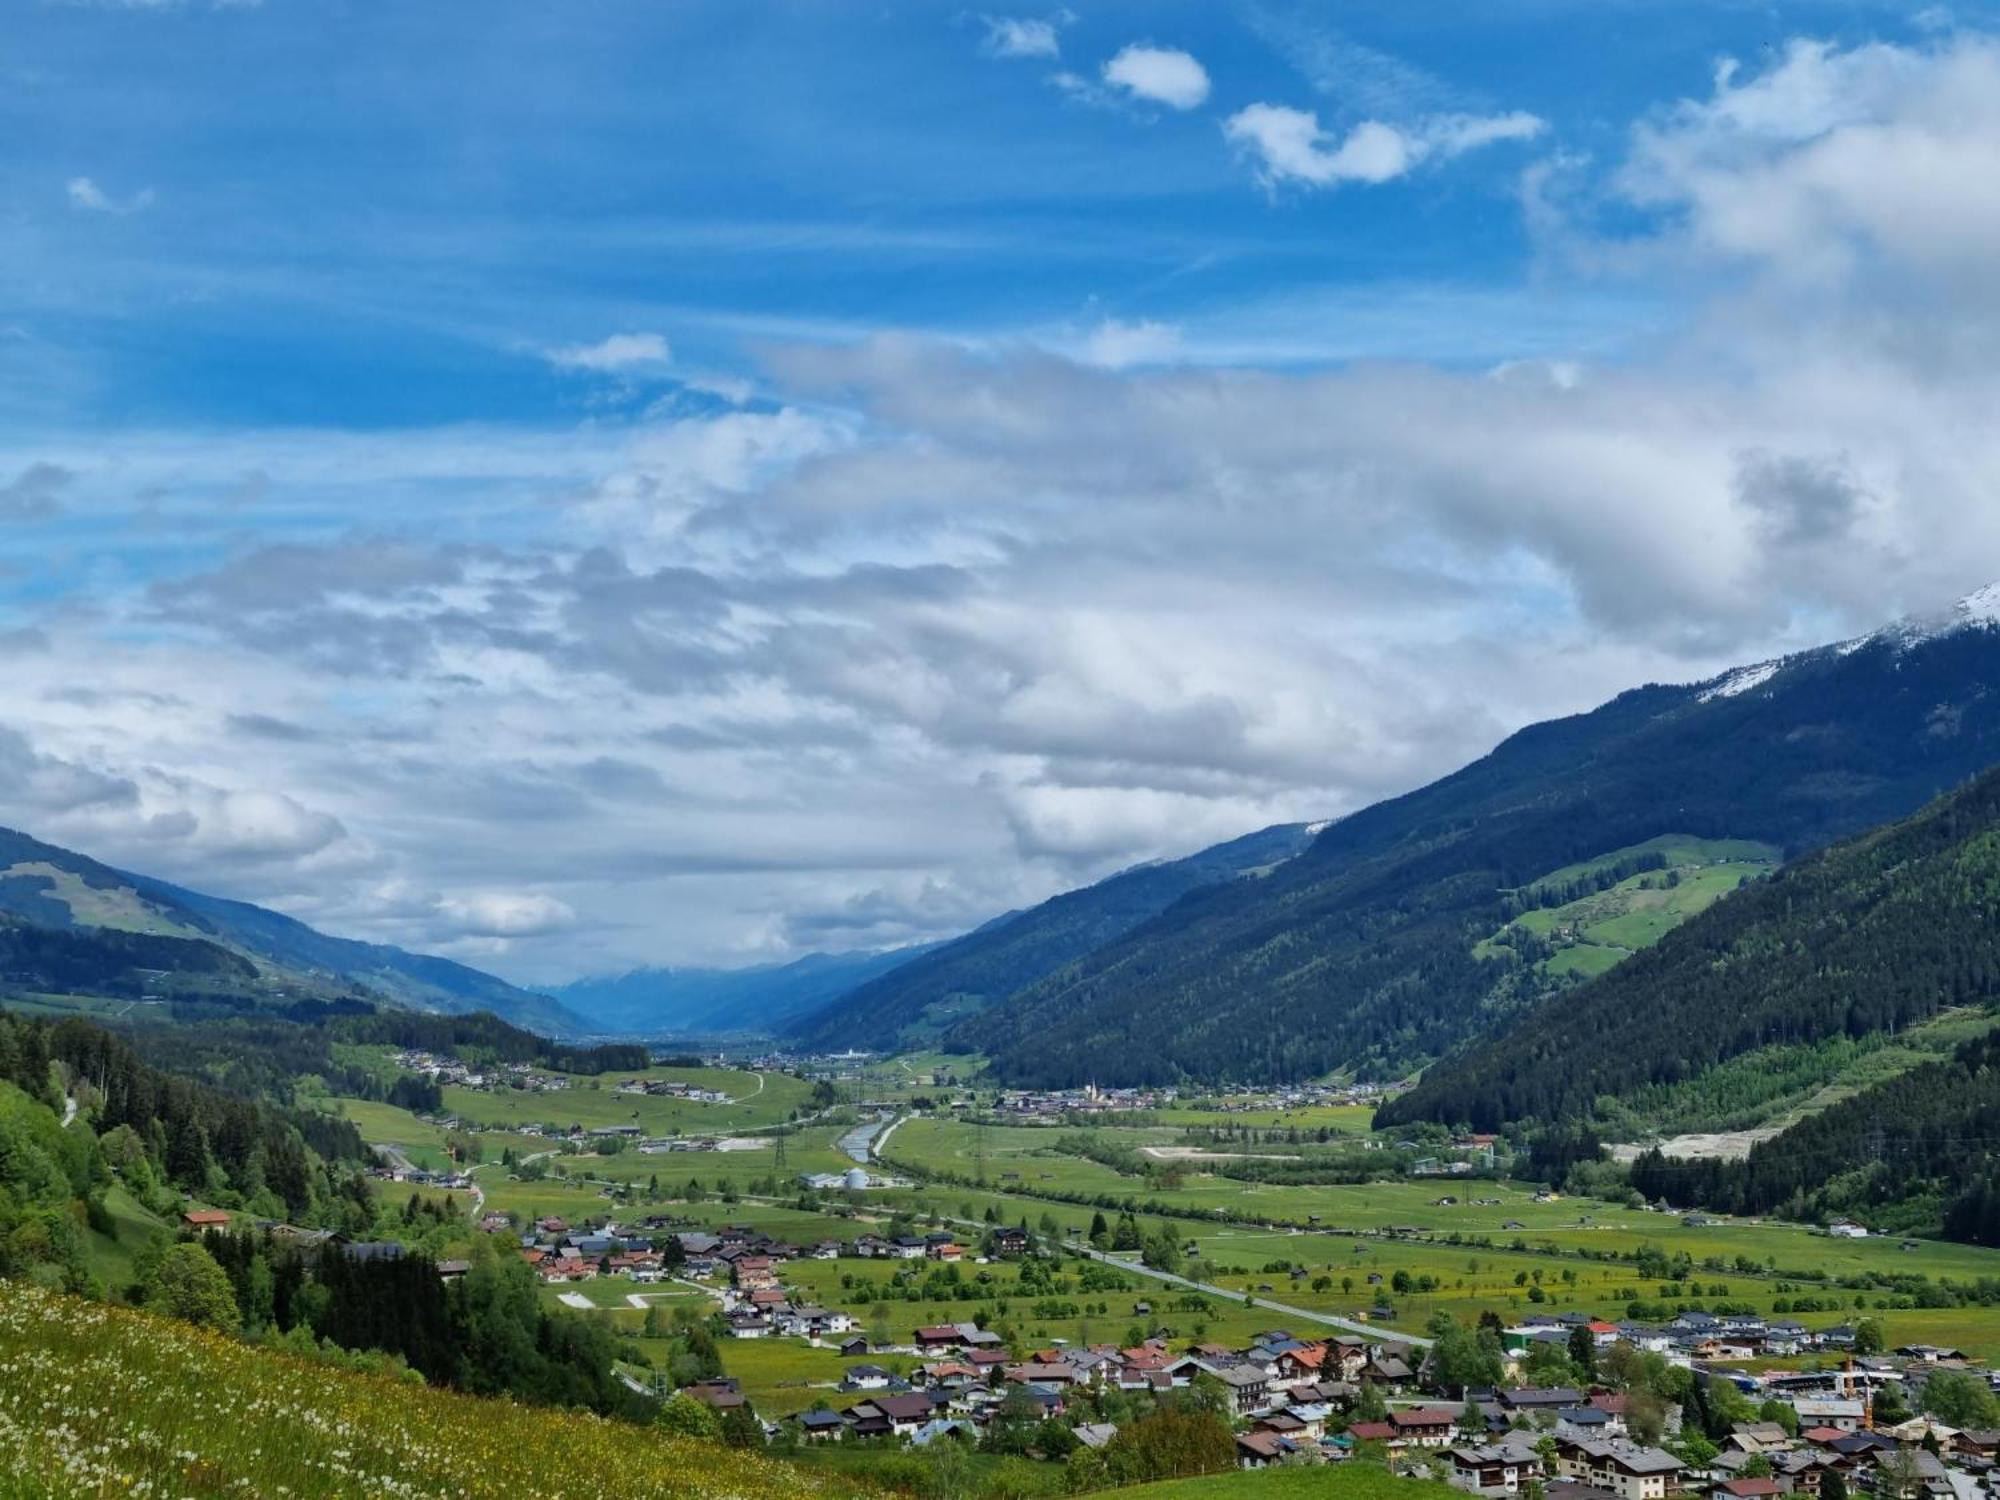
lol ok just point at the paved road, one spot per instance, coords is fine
(1372, 1330)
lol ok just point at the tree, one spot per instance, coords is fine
(741, 1429)
(1369, 1405)
(1958, 1399)
(1461, 1357)
(1583, 1353)
(189, 1284)
(1100, 1231)
(1900, 1472)
(1832, 1485)
(683, 1416)
(1868, 1336)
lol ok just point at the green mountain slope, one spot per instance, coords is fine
(1361, 953)
(916, 1000)
(98, 910)
(1868, 937)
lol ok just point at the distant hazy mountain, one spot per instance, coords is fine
(82, 922)
(1374, 949)
(919, 999)
(717, 1002)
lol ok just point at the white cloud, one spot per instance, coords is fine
(1832, 158)
(506, 914)
(1013, 36)
(619, 353)
(1159, 75)
(1117, 345)
(1289, 145)
(84, 193)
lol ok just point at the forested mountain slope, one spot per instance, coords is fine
(1872, 935)
(101, 917)
(1360, 952)
(1918, 1153)
(917, 999)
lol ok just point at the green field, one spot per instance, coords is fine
(1596, 931)
(759, 1100)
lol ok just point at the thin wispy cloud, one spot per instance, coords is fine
(621, 353)
(84, 193)
(1021, 36)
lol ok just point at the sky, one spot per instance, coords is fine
(626, 482)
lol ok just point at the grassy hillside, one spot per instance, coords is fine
(1868, 938)
(1586, 934)
(1360, 952)
(104, 1401)
(915, 1001)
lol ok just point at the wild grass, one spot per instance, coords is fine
(101, 1401)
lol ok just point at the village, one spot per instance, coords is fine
(1832, 1416)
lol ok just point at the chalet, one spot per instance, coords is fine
(752, 1272)
(721, 1394)
(1041, 1374)
(940, 1336)
(867, 1378)
(206, 1218)
(1495, 1469)
(1628, 1470)
(1249, 1387)
(853, 1348)
(822, 1426)
(1425, 1426)
(1262, 1449)
(1752, 1488)
(1841, 1413)
(1010, 1241)
(1378, 1432)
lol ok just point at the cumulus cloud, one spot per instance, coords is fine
(505, 914)
(1016, 36)
(1289, 145)
(1158, 75)
(84, 193)
(1832, 158)
(615, 355)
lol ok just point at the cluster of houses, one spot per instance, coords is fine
(668, 1088)
(1690, 1335)
(450, 1070)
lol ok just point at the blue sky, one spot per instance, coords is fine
(834, 472)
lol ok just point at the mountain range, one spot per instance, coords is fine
(71, 924)
(657, 1002)
(1393, 936)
